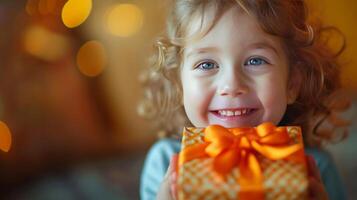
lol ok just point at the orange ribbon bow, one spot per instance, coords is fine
(239, 147)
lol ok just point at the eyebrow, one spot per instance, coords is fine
(263, 45)
(202, 50)
(255, 45)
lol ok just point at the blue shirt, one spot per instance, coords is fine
(158, 160)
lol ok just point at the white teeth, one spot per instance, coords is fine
(230, 113)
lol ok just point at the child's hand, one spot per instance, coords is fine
(167, 190)
(316, 187)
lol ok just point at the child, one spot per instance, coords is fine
(242, 63)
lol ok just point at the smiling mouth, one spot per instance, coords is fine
(239, 112)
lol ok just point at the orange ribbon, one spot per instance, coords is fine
(239, 147)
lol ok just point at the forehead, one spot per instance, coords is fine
(233, 27)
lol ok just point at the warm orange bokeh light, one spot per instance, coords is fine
(124, 20)
(75, 12)
(45, 44)
(91, 58)
(5, 137)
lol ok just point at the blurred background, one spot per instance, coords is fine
(69, 87)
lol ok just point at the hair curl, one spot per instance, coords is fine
(312, 61)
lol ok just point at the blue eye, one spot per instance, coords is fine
(207, 66)
(256, 61)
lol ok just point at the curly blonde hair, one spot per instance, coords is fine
(311, 59)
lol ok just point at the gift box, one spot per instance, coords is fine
(263, 162)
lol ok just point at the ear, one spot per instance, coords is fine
(294, 84)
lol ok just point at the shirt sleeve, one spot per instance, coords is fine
(329, 174)
(155, 166)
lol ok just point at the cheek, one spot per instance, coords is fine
(273, 98)
(196, 98)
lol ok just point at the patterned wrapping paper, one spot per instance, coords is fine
(282, 179)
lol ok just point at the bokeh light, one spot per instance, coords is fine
(75, 12)
(91, 58)
(5, 137)
(124, 20)
(45, 44)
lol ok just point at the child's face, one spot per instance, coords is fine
(236, 75)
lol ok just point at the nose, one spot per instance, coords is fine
(233, 84)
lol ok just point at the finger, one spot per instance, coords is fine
(171, 169)
(164, 192)
(173, 164)
(309, 165)
(167, 175)
(313, 169)
(316, 170)
(316, 190)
